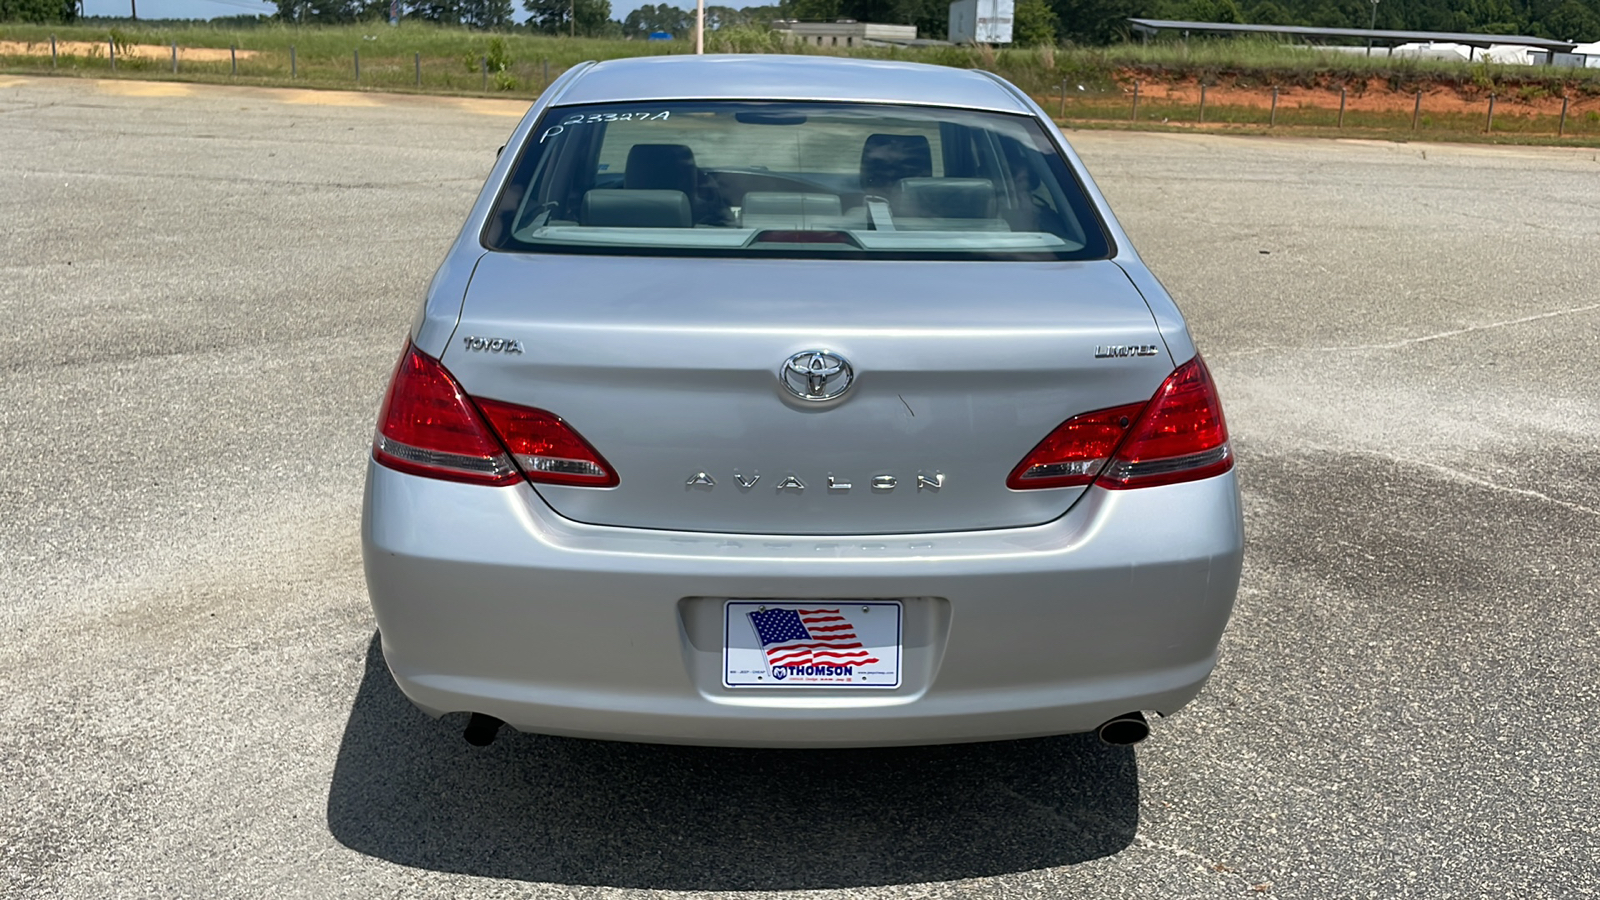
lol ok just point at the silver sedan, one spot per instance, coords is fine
(801, 402)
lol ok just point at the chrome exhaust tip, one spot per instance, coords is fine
(1124, 730)
(482, 730)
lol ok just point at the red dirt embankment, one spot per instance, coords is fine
(1364, 95)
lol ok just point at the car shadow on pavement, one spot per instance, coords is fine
(410, 790)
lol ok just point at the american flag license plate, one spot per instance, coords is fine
(811, 644)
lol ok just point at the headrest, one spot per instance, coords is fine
(636, 209)
(887, 158)
(660, 167)
(783, 203)
(947, 198)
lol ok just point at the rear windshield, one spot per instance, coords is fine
(793, 179)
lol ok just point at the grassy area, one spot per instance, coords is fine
(324, 56)
(420, 57)
(1270, 62)
(451, 60)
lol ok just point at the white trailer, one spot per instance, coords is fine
(981, 21)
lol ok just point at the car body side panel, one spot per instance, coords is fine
(436, 320)
(1174, 330)
(1167, 317)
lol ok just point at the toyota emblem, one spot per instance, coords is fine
(816, 375)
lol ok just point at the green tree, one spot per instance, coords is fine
(932, 17)
(724, 17)
(288, 10)
(485, 14)
(445, 12)
(41, 11)
(653, 17)
(1572, 21)
(1033, 23)
(1202, 11)
(330, 11)
(752, 17)
(555, 16)
(812, 10)
(1269, 12)
(1097, 22)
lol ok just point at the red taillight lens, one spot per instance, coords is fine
(1076, 451)
(1180, 437)
(429, 427)
(545, 447)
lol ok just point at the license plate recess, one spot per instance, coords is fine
(811, 644)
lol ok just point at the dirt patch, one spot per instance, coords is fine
(127, 51)
(1370, 95)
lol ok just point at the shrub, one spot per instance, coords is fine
(496, 57)
(747, 40)
(498, 54)
(123, 42)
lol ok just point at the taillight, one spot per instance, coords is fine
(545, 447)
(1179, 435)
(429, 426)
(1076, 451)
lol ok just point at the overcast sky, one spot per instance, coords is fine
(206, 9)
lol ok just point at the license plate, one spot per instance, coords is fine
(832, 644)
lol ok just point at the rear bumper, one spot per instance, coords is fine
(489, 602)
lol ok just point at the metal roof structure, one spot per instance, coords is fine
(1378, 36)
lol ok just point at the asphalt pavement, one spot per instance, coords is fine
(204, 288)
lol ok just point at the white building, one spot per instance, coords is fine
(1582, 56)
(1435, 50)
(845, 33)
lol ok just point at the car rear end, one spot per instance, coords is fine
(857, 433)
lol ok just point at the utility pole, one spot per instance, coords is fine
(700, 26)
(574, 22)
(1373, 25)
(135, 6)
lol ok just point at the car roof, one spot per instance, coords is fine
(788, 77)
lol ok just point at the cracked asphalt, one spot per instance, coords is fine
(205, 287)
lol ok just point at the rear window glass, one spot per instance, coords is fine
(793, 179)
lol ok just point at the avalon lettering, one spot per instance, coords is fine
(836, 484)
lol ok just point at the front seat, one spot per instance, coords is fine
(661, 167)
(888, 158)
(671, 167)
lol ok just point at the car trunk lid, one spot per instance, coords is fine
(670, 368)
